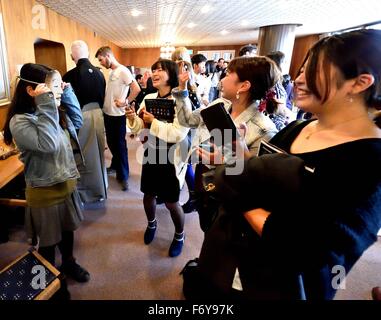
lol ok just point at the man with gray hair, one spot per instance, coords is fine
(89, 86)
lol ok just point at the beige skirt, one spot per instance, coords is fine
(47, 224)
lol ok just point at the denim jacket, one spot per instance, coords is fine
(45, 148)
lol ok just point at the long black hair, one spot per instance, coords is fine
(22, 102)
(353, 53)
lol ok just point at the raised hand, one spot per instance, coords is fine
(40, 89)
(184, 76)
(130, 111)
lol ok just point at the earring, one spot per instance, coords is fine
(350, 99)
(237, 95)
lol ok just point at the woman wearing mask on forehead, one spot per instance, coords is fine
(43, 138)
(161, 180)
(317, 223)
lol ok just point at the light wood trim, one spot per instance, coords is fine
(13, 202)
(9, 169)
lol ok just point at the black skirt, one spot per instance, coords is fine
(159, 179)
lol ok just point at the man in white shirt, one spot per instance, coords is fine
(203, 84)
(114, 109)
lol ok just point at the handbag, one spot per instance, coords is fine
(207, 204)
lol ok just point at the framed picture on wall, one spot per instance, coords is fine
(5, 96)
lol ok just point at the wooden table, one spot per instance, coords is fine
(9, 169)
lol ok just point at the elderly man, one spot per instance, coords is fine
(89, 85)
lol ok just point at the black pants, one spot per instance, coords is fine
(116, 141)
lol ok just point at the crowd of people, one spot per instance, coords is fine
(274, 229)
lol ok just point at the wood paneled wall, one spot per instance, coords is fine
(145, 57)
(301, 47)
(140, 57)
(21, 36)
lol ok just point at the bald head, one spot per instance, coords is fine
(79, 50)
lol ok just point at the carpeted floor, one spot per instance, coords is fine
(110, 245)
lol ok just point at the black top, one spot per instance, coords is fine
(318, 220)
(88, 82)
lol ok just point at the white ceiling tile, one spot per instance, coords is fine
(167, 20)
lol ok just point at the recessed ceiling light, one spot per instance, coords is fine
(224, 32)
(191, 25)
(140, 27)
(205, 9)
(244, 23)
(135, 13)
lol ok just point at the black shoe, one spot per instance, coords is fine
(149, 234)
(376, 293)
(176, 246)
(124, 184)
(110, 170)
(75, 271)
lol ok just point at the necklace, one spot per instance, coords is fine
(308, 136)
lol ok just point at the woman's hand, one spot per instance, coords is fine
(184, 76)
(213, 157)
(40, 89)
(65, 85)
(239, 145)
(148, 117)
(130, 112)
(257, 219)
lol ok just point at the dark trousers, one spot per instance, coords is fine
(116, 141)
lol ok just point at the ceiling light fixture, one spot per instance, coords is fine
(140, 27)
(205, 9)
(191, 25)
(224, 32)
(135, 13)
(166, 51)
(244, 23)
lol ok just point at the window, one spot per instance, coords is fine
(215, 55)
(4, 73)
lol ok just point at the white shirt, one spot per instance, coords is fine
(203, 86)
(117, 88)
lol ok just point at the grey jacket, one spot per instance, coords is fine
(45, 148)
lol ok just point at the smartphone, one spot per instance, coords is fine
(207, 147)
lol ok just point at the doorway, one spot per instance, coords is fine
(50, 53)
